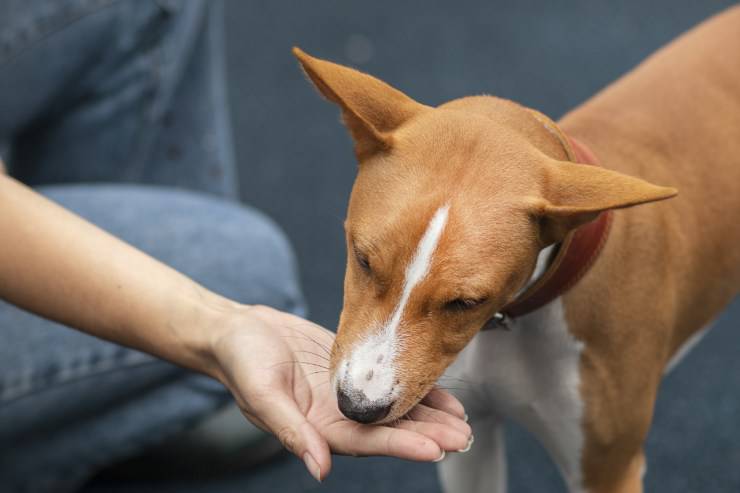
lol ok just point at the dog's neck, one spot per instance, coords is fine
(560, 266)
(544, 260)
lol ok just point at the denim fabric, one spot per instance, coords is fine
(130, 93)
(71, 403)
(124, 91)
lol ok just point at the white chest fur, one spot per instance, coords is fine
(531, 375)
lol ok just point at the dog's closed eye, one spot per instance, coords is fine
(362, 260)
(461, 304)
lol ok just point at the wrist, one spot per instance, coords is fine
(197, 326)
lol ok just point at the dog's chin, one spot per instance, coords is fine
(394, 415)
(403, 406)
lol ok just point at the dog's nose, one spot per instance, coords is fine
(362, 411)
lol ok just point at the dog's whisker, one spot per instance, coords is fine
(298, 327)
(447, 377)
(326, 350)
(324, 344)
(315, 372)
(300, 363)
(314, 387)
(454, 387)
(323, 357)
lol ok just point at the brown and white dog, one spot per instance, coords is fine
(481, 208)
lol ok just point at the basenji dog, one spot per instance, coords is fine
(484, 237)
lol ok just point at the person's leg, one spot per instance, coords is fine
(70, 403)
(116, 91)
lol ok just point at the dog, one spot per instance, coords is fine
(488, 241)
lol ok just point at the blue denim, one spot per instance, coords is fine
(117, 111)
(122, 91)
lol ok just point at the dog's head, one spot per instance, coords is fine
(448, 213)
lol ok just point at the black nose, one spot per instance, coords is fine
(362, 411)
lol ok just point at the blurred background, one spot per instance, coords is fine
(296, 164)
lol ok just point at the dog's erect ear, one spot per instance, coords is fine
(576, 193)
(371, 109)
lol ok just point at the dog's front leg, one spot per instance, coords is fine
(482, 469)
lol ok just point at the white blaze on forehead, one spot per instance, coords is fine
(420, 262)
(371, 366)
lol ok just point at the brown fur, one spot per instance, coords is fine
(666, 268)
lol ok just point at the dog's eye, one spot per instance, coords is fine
(460, 304)
(362, 261)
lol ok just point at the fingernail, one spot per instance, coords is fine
(312, 466)
(470, 444)
(465, 418)
(439, 459)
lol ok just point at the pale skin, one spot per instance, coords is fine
(57, 265)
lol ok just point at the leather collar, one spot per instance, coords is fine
(575, 254)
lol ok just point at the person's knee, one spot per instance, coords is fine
(234, 250)
(260, 255)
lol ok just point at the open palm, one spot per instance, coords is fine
(276, 366)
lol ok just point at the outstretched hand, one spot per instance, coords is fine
(277, 367)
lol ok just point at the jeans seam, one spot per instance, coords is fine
(38, 383)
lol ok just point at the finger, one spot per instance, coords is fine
(283, 418)
(364, 440)
(447, 437)
(420, 412)
(444, 401)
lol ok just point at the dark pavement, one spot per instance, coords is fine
(296, 163)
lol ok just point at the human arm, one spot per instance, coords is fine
(59, 266)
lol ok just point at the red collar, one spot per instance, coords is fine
(574, 256)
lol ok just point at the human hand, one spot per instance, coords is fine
(276, 365)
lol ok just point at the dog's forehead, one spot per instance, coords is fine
(393, 199)
(449, 129)
(432, 157)
(473, 232)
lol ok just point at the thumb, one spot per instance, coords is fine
(283, 418)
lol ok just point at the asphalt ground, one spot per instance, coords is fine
(296, 163)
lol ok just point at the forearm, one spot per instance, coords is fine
(57, 265)
(61, 267)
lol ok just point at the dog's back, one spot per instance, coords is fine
(675, 120)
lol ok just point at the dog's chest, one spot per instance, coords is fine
(529, 374)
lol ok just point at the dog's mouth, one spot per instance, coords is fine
(361, 410)
(366, 395)
(370, 397)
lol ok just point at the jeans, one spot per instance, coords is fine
(117, 110)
